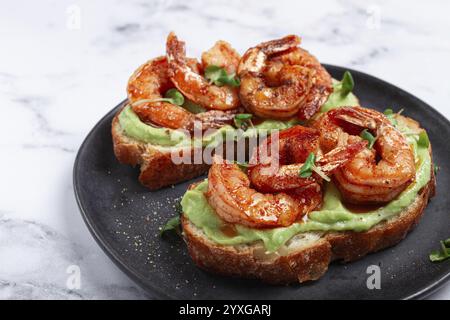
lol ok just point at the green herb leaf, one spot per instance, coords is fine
(442, 255)
(347, 83)
(220, 77)
(243, 116)
(447, 243)
(366, 135)
(214, 73)
(243, 121)
(174, 96)
(444, 248)
(389, 113)
(172, 224)
(307, 169)
(436, 169)
(243, 165)
(437, 256)
(233, 81)
(192, 107)
(178, 208)
(423, 141)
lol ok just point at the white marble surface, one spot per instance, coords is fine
(58, 78)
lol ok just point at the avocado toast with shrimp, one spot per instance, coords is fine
(177, 106)
(341, 181)
(373, 198)
(157, 122)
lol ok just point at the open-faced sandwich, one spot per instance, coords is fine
(331, 181)
(348, 182)
(172, 96)
(355, 182)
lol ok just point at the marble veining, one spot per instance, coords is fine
(64, 64)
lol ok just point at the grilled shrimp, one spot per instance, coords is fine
(268, 197)
(193, 85)
(230, 194)
(375, 175)
(295, 144)
(280, 80)
(321, 86)
(150, 81)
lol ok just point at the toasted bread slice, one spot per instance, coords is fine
(307, 255)
(157, 168)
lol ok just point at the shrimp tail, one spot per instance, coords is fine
(280, 45)
(339, 156)
(354, 117)
(176, 50)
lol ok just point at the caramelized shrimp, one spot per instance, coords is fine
(295, 144)
(280, 80)
(273, 196)
(321, 86)
(150, 81)
(193, 85)
(374, 175)
(230, 194)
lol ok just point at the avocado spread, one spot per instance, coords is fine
(133, 127)
(333, 216)
(338, 99)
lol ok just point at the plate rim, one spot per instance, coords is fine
(133, 275)
(91, 226)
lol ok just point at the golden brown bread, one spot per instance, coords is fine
(157, 168)
(306, 256)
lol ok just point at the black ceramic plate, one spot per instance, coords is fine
(124, 218)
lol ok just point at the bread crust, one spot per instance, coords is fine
(309, 262)
(157, 168)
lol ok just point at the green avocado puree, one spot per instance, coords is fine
(133, 127)
(333, 216)
(337, 99)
